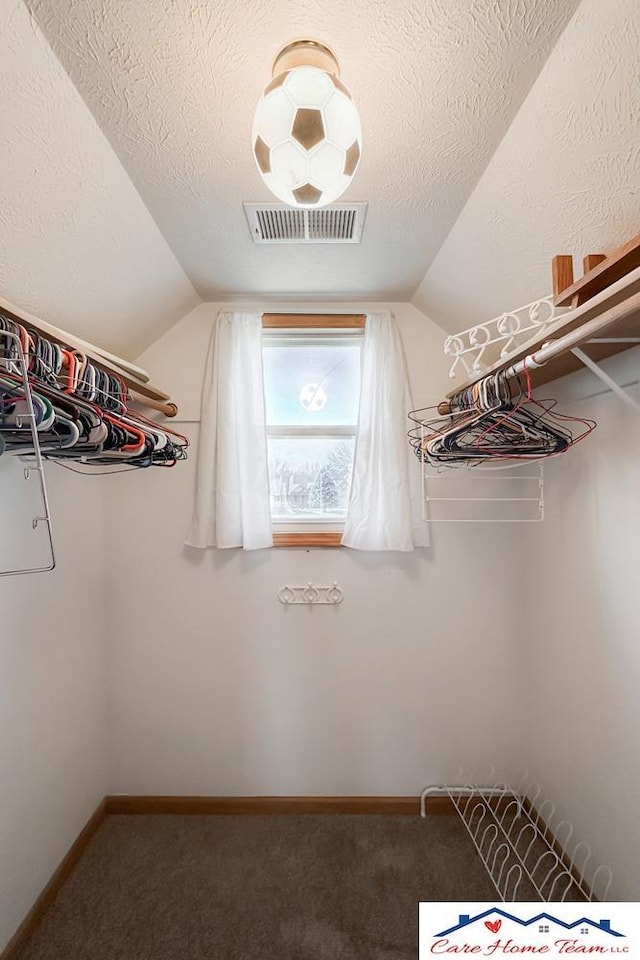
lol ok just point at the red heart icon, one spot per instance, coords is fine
(493, 926)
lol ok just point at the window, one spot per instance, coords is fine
(311, 398)
(312, 392)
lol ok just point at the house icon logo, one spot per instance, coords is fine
(529, 930)
(544, 922)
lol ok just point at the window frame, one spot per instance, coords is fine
(313, 322)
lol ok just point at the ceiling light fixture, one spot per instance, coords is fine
(306, 133)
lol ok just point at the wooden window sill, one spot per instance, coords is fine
(307, 539)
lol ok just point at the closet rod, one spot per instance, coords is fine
(134, 377)
(169, 409)
(555, 348)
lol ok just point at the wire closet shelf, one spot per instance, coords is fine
(528, 853)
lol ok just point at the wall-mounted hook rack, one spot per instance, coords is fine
(311, 594)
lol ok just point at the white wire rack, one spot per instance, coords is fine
(481, 494)
(18, 366)
(475, 349)
(527, 852)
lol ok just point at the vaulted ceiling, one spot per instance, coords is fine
(174, 84)
(496, 133)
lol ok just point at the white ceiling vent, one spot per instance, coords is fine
(278, 223)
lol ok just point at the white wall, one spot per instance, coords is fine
(52, 683)
(517, 646)
(563, 180)
(506, 645)
(216, 688)
(78, 247)
(583, 657)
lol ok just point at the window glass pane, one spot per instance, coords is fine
(312, 384)
(310, 476)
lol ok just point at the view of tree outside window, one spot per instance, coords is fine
(310, 477)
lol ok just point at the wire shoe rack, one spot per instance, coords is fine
(527, 852)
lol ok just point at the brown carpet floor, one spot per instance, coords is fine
(258, 888)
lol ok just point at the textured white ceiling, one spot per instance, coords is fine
(173, 84)
(565, 178)
(77, 245)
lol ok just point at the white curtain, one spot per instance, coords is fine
(385, 505)
(232, 492)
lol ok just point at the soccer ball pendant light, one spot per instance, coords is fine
(306, 133)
